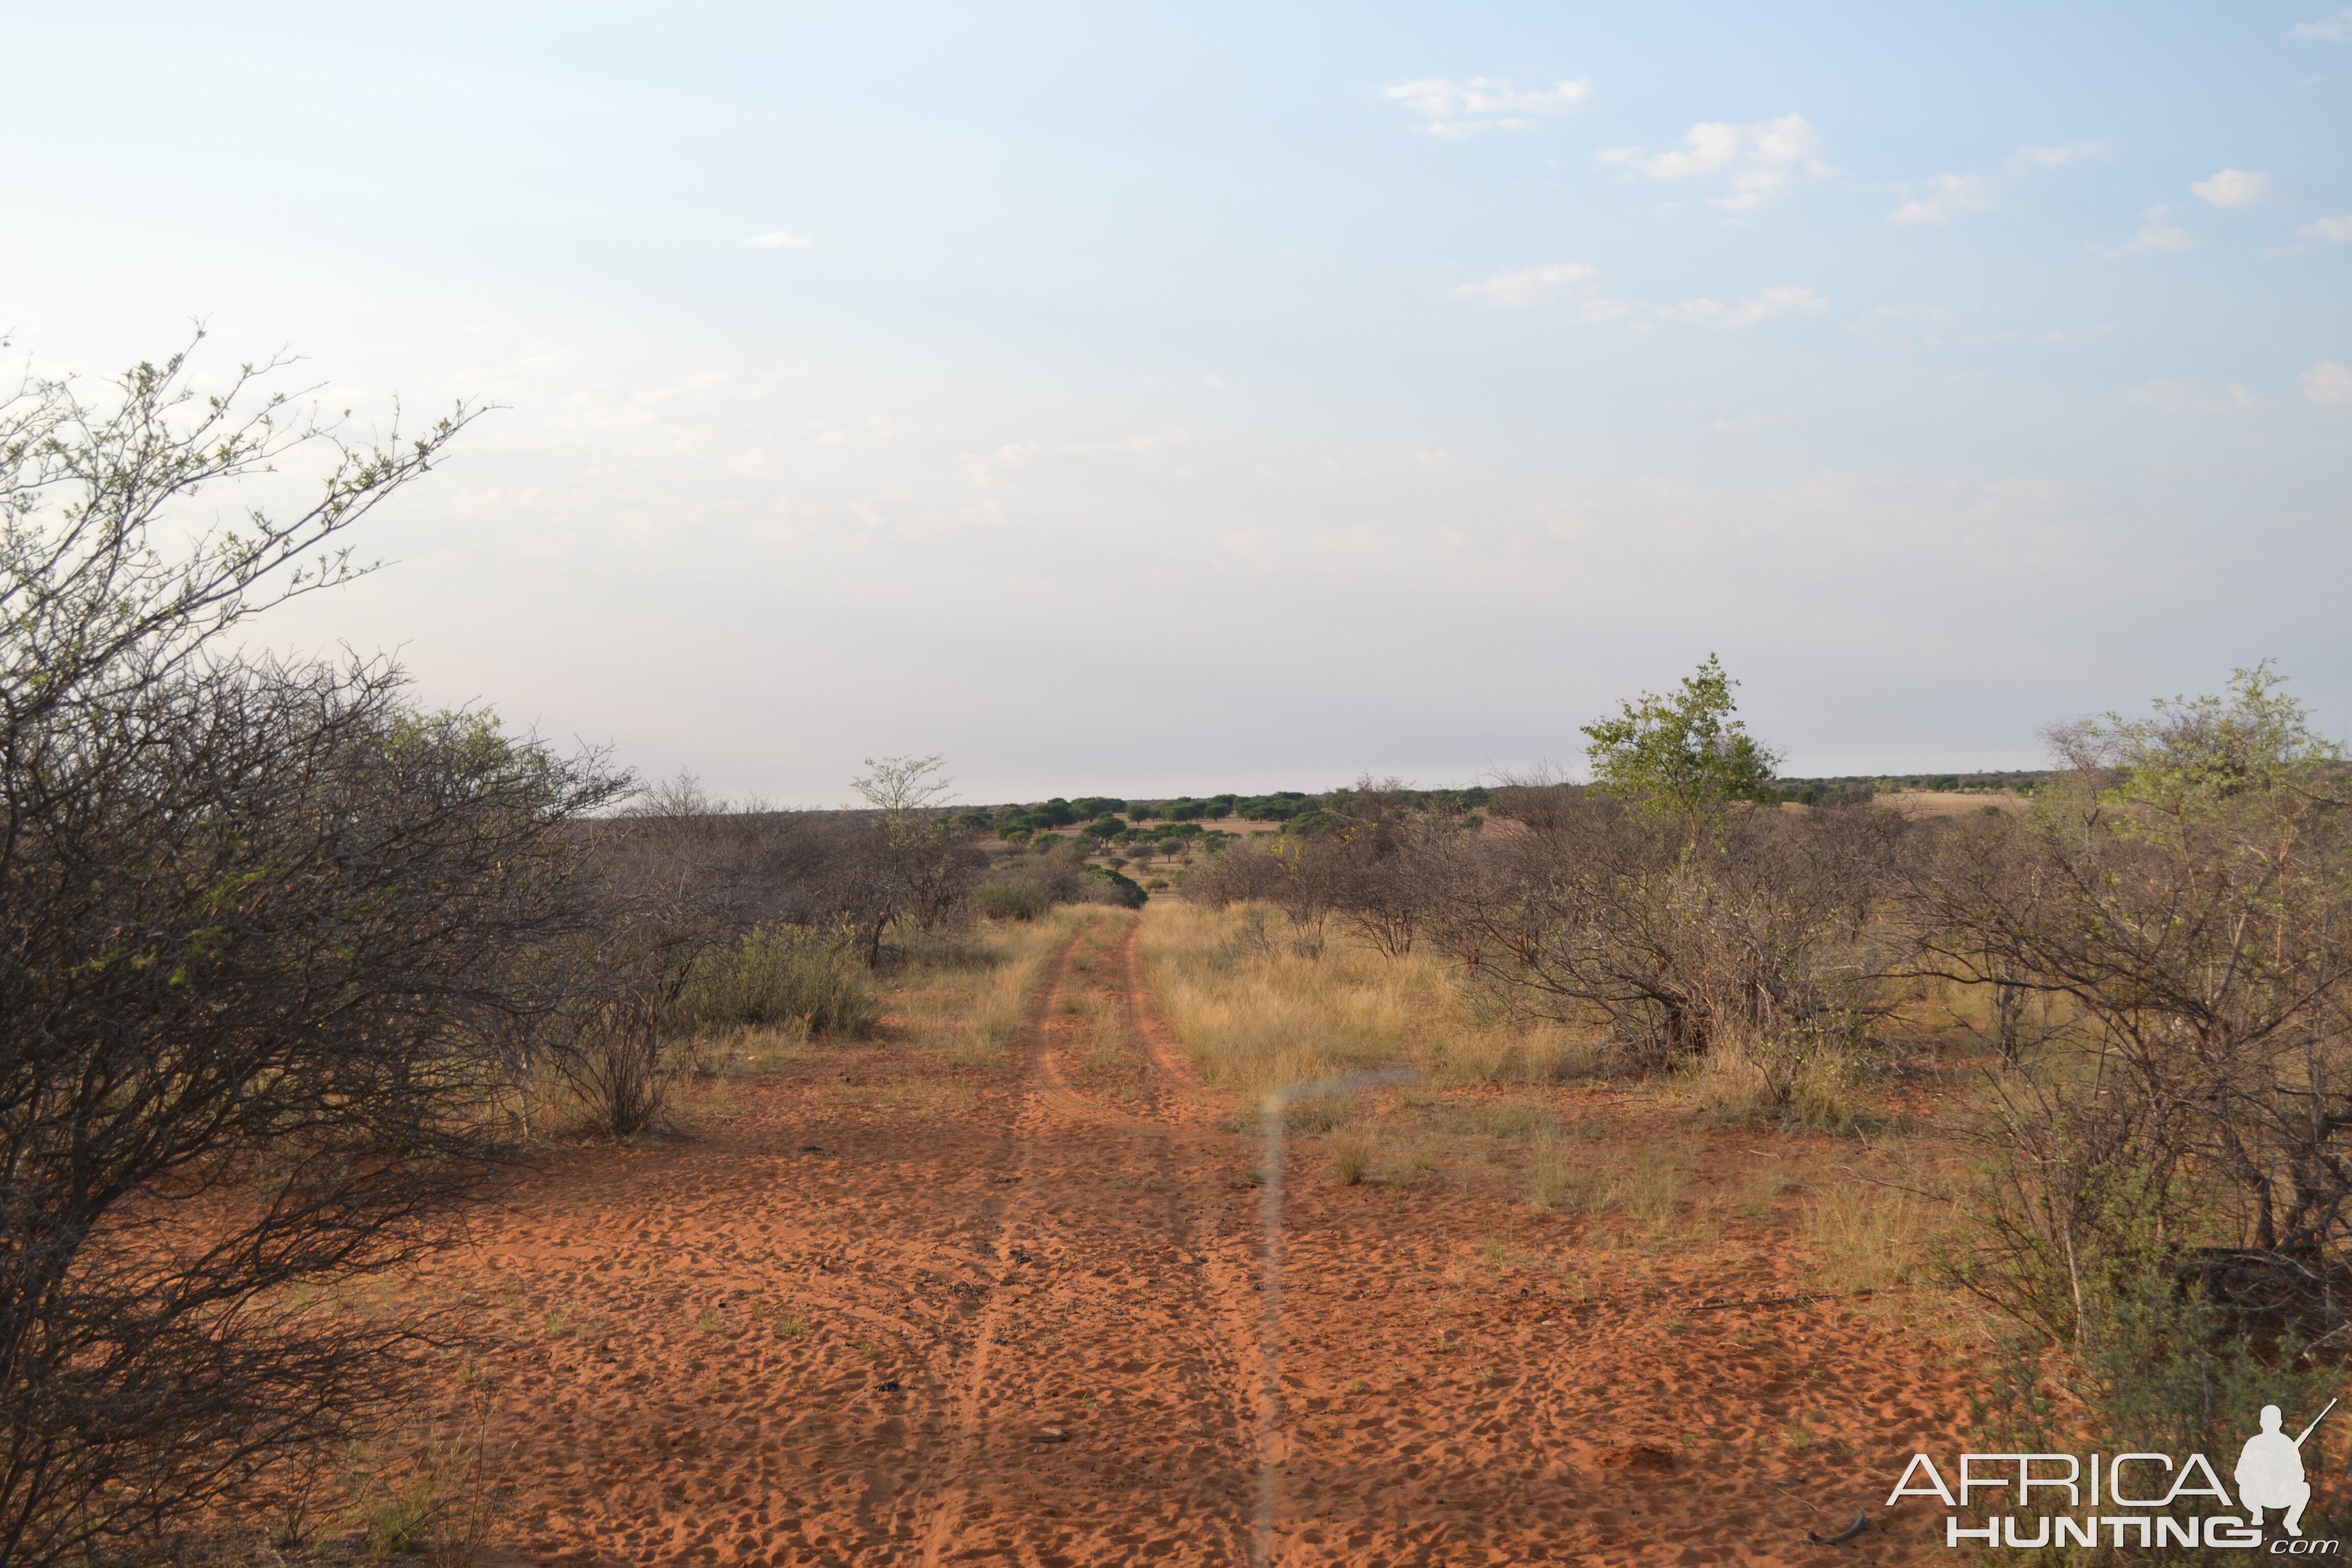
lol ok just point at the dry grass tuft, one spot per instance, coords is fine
(442, 1492)
(1643, 1182)
(1728, 1084)
(1872, 1236)
(1351, 1158)
(1254, 1013)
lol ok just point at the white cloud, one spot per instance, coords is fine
(2336, 30)
(1948, 196)
(2192, 397)
(2155, 234)
(1784, 299)
(1531, 286)
(1743, 424)
(2027, 159)
(1762, 160)
(781, 239)
(1555, 283)
(1455, 108)
(2327, 384)
(2234, 188)
(2338, 230)
(1576, 285)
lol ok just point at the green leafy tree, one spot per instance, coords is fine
(1684, 755)
(2198, 757)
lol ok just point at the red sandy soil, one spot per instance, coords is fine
(1079, 1249)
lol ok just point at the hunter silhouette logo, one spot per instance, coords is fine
(2270, 1476)
(2270, 1471)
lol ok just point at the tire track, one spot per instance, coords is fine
(1000, 1215)
(1122, 1319)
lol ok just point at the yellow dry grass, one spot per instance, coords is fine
(1255, 1011)
(959, 998)
(965, 998)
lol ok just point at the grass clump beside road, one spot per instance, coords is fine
(1255, 1011)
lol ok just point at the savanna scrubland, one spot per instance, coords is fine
(420, 1140)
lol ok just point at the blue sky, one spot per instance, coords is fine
(1149, 400)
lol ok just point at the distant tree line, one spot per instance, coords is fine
(1280, 806)
(1316, 811)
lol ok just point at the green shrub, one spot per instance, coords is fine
(1123, 889)
(1014, 899)
(780, 974)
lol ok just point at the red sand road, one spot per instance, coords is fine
(836, 1326)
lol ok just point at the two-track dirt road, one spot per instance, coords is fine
(845, 1321)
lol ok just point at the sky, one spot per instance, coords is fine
(1144, 400)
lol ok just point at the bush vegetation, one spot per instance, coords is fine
(779, 973)
(2156, 954)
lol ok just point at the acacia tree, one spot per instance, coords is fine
(908, 860)
(256, 922)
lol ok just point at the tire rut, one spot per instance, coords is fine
(1122, 1317)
